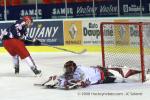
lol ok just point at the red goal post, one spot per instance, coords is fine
(122, 44)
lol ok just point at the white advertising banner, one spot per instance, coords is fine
(91, 32)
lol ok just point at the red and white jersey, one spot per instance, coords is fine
(91, 74)
(17, 30)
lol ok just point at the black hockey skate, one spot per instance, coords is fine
(16, 69)
(36, 71)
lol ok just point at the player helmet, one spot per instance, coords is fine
(70, 66)
(27, 18)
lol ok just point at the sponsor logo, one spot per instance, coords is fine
(108, 33)
(86, 10)
(91, 33)
(108, 9)
(108, 30)
(41, 31)
(73, 31)
(91, 30)
(31, 12)
(58, 11)
(125, 8)
(122, 35)
(132, 8)
(49, 31)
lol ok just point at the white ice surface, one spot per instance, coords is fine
(20, 87)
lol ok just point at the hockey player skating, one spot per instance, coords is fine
(79, 76)
(13, 40)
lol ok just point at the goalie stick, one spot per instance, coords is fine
(71, 85)
(56, 86)
(63, 49)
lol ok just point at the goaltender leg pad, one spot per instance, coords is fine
(132, 72)
(106, 72)
(108, 76)
(119, 70)
(109, 79)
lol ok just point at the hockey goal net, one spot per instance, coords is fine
(126, 45)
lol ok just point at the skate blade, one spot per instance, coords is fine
(38, 75)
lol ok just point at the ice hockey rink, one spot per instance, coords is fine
(20, 87)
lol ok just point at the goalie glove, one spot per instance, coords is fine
(85, 83)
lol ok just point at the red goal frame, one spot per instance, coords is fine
(140, 24)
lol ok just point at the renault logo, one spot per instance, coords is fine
(73, 31)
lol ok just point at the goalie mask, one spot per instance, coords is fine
(70, 67)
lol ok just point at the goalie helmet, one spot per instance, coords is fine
(70, 67)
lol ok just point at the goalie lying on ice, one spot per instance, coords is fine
(80, 76)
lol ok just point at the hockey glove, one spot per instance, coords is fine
(85, 83)
(36, 42)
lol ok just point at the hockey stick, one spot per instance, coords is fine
(38, 84)
(80, 52)
(45, 44)
(70, 86)
(56, 86)
(42, 84)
